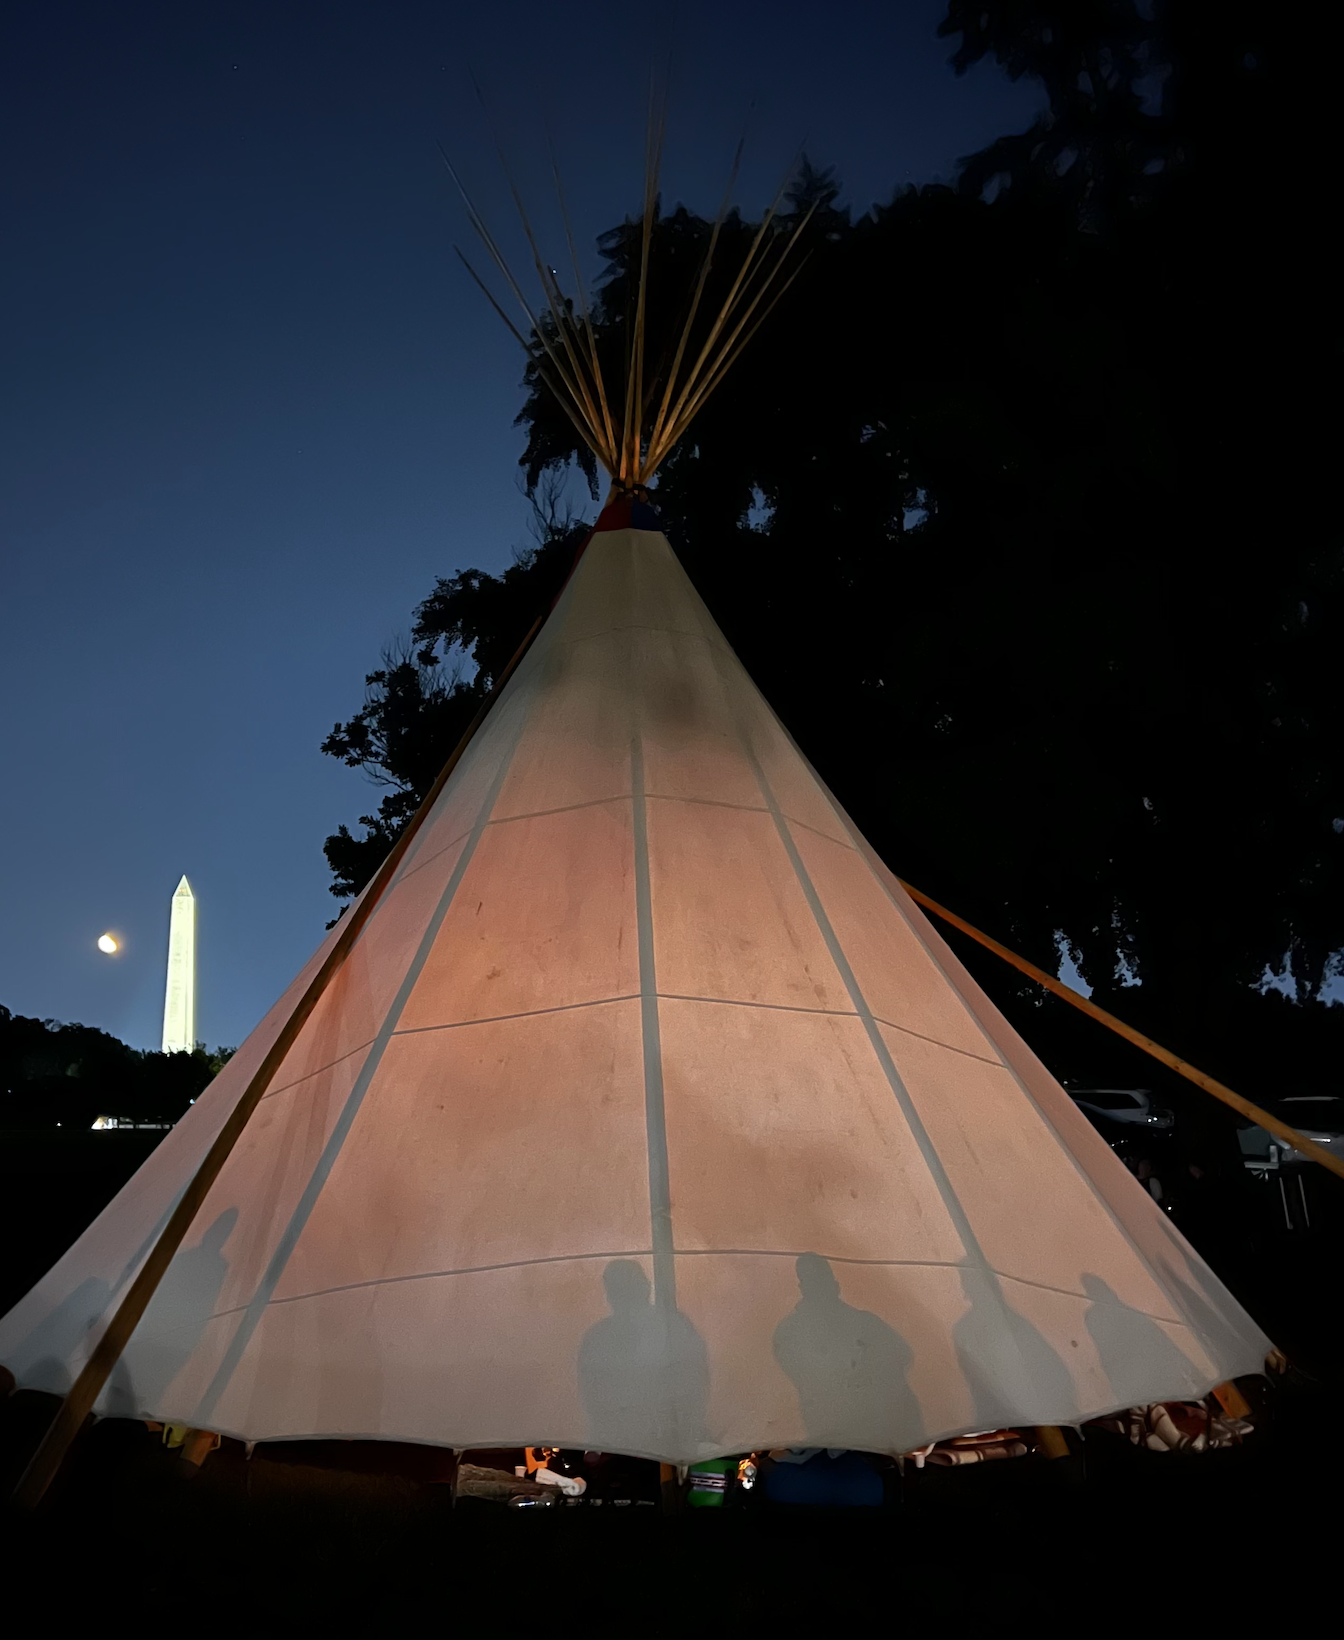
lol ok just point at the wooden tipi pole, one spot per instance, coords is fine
(1298, 1141)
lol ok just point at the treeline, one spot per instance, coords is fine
(70, 1074)
(1018, 511)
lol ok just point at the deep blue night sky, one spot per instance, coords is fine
(252, 406)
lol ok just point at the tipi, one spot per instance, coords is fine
(646, 1113)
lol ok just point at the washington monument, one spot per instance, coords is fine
(179, 1003)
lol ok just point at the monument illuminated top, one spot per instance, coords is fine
(179, 1004)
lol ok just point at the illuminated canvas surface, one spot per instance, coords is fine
(648, 1114)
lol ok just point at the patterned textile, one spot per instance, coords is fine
(1177, 1426)
(982, 1447)
(495, 1485)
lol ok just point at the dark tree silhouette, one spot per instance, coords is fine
(1014, 510)
(53, 1073)
(420, 702)
(411, 711)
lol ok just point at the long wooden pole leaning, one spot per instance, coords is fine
(78, 1403)
(1298, 1141)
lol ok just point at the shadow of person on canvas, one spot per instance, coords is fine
(848, 1366)
(1140, 1358)
(1014, 1374)
(182, 1306)
(643, 1372)
(52, 1354)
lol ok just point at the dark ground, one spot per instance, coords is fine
(1111, 1536)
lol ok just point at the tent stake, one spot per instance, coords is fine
(1299, 1141)
(87, 1387)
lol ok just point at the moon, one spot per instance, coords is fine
(108, 945)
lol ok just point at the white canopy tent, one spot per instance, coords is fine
(647, 1114)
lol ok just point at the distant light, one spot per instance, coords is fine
(107, 944)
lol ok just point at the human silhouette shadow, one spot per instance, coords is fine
(1014, 1374)
(1225, 1341)
(172, 1325)
(1141, 1361)
(43, 1360)
(848, 1366)
(643, 1373)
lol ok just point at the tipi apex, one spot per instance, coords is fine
(635, 1106)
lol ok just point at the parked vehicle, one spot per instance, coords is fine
(1276, 1163)
(1130, 1108)
(1317, 1116)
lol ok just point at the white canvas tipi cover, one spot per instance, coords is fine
(649, 1115)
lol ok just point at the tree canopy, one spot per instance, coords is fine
(1014, 511)
(53, 1073)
